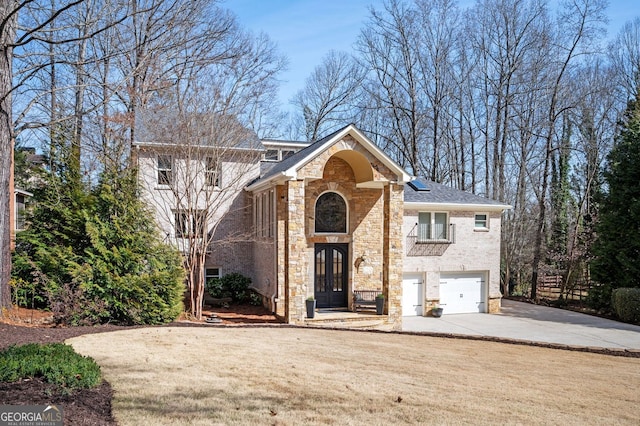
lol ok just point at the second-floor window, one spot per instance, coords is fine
(271, 155)
(481, 221)
(212, 173)
(432, 226)
(165, 170)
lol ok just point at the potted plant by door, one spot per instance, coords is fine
(436, 311)
(311, 307)
(380, 304)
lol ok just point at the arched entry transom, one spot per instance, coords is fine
(331, 213)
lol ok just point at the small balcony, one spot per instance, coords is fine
(421, 242)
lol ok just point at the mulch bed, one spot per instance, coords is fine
(80, 407)
(85, 406)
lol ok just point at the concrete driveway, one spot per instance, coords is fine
(524, 321)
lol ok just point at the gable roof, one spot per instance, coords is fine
(288, 168)
(438, 196)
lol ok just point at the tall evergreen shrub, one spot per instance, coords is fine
(98, 257)
(617, 247)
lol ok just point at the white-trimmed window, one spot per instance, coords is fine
(481, 221)
(212, 273)
(287, 154)
(212, 172)
(165, 170)
(433, 226)
(190, 223)
(264, 214)
(257, 215)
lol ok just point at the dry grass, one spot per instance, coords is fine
(293, 376)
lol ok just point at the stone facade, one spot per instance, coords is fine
(373, 235)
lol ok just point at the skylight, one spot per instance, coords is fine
(418, 185)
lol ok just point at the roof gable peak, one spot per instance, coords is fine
(289, 168)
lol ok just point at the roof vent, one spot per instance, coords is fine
(418, 185)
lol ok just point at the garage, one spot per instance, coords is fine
(412, 296)
(462, 293)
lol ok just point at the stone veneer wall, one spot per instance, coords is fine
(297, 257)
(365, 215)
(368, 232)
(393, 247)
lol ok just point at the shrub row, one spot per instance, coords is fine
(55, 363)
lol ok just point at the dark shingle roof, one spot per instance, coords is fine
(163, 128)
(291, 161)
(442, 194)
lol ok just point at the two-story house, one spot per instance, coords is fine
(329, 218)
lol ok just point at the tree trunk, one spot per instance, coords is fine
(542, 216)
(78, 114)
(6, 147)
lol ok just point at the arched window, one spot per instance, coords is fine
(331, 213)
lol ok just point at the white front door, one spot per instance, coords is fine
(462, 293)
(412, 296)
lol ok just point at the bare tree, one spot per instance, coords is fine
(326, 100)
(580, 23)
(161, 43)
(624, 55)
(8, 19)
(507, 33)
(436, 38)
(197, 152)
(36, 19)
(387, 47)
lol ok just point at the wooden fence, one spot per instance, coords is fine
(550, 286)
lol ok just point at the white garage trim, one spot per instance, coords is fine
(462, 293)
(412, 295)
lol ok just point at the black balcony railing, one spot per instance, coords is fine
(418, 245)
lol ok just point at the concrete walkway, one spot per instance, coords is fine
(524, 321)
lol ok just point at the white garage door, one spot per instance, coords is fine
(462, 293)
(412, 296)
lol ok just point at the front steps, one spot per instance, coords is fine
(348, 320)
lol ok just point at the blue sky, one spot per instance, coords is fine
(306, 30)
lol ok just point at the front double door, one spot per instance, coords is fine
(330, 276)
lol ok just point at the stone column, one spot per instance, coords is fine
(282, 257)
(297, 253)
(393, 252)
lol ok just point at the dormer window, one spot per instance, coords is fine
(271, 155)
